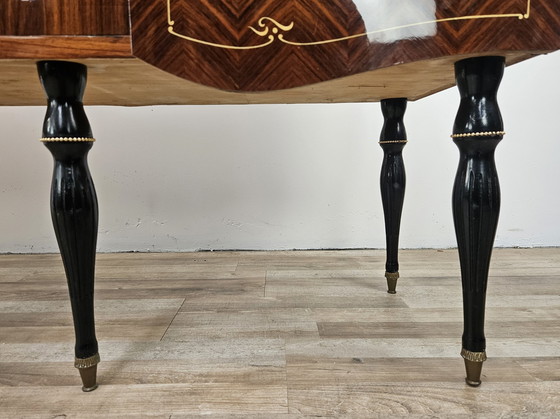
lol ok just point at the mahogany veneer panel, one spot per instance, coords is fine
(264, 45)
(64, 17)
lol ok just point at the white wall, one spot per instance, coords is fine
(284, 176)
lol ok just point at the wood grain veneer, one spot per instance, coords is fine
(64, 47)
(265, 45)
(64, 17)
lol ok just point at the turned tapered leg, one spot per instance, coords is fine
(476, 195)
(393, 182)
(67, 135)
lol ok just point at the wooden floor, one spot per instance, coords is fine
(281, 334)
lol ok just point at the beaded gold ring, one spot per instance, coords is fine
(67, 139)
(393, 142)
(479, 134)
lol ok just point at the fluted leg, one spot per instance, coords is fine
(476, 195)
(67, 135)
(393, 182)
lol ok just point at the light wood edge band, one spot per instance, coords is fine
(479, 134)
(67, 139)
(473, 356)
(393, 142)
(82, 363)
(392, 275)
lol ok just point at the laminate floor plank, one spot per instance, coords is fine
(146, 400)
(66, 334)
(118, 319)
(382, 330)
(431, 314)
(425, 347)
(255, 288)
(307, 371)
(141, 372)
(132, 274)
(428, 400)
(195, 349)
(542, 368)
(259, 323)
(110, 308)
(281, 335)
(302, 300)
(441, 297)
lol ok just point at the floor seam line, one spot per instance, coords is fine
(173, 319)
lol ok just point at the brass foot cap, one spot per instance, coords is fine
(473, 383)
(88, 389)
(392, 278)
(474, 371)
(89, 378)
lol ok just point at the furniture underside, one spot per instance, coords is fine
(131, 82)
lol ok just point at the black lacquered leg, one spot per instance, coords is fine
(476, 195)
(67, 135)
(393, 182)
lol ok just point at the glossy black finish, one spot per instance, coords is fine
(64, 82)
(393, 176)
(73, 199)
(476, 193)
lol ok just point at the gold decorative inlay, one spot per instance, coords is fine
(82, 363)
(68, 139)
(278, 30)
(393, 142)
(473, 356)
(479, 134)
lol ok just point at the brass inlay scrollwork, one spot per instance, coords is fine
(275, 32)
(266, 31)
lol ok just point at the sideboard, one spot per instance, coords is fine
(147, 52)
